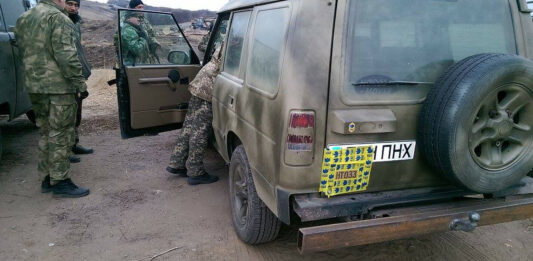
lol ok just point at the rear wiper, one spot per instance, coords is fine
(389, 83)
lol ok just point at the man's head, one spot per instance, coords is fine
(61, 3)
(132, 17)
(136, 4)
(72, 6)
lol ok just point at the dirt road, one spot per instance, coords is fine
(136, 210)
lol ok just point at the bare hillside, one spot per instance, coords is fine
(96, 11)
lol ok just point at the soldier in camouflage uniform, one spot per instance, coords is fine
(202, 47)
(144, 25)
(72, 9)
(188, 154)
(52, 75)
(135, 44)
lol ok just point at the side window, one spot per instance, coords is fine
(237, 32)
(218, 34)
(153, 39)
(269, 36)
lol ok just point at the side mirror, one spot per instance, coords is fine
(179, 57)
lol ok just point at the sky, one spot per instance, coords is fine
(213, 5)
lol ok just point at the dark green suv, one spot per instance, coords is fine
(13, 100)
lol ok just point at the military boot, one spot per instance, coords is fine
(74, 159)
(80, 150)
(45, 185)
(178, 172)
(204, 179)
(67, 189)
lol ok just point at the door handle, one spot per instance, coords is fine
(157, 80)
(231, 101)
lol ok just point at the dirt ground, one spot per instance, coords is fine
(136, 210)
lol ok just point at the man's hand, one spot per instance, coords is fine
(83, 95)
(143, 34)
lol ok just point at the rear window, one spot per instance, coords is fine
(391, 41)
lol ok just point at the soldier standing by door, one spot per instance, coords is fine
(146, 30)
(52, 75)
(72, 7)
(187, 157)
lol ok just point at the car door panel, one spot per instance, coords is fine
(154, 101)
(7, 69)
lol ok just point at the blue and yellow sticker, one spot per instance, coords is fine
(346, 170)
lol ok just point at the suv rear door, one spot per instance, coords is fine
(391, 55)
(152, 93)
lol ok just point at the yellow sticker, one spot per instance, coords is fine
(351, 127)
(346, 170)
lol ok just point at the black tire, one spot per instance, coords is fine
(31, 116)
(454, 112)
(258, 224)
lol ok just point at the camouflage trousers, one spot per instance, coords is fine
(56, 118)
(193, 139)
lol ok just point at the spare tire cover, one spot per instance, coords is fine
(476, 125)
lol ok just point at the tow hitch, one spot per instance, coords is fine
(461, 215)
(466, 225)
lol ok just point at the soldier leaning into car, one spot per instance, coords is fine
(187, 157)
(72, 8)
(147, 28)
(52, 75)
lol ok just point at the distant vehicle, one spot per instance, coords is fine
(202, 23)
(13, 100)
(383, 119)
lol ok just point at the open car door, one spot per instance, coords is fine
(156, 65)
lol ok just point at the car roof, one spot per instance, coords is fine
(239, 4)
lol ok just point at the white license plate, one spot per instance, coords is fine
(389, 151)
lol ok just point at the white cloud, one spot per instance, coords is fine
(213, 5)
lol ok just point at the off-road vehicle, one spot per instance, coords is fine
(384, 119)
(13, 100)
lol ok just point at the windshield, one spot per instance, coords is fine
(391, 41)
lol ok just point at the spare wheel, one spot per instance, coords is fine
(476, 126)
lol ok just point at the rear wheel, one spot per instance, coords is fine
(254, 223)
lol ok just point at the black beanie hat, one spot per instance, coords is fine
(77, 1)
(135, 3)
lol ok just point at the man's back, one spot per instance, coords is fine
(45, 38)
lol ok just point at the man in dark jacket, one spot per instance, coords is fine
(72, 7)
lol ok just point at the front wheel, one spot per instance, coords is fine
(254, 223)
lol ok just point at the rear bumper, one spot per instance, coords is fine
(415, 221)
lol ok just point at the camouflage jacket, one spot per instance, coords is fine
(86, 66)
(147, 27)
(204, 82)
(45, 36)
(135, 49)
